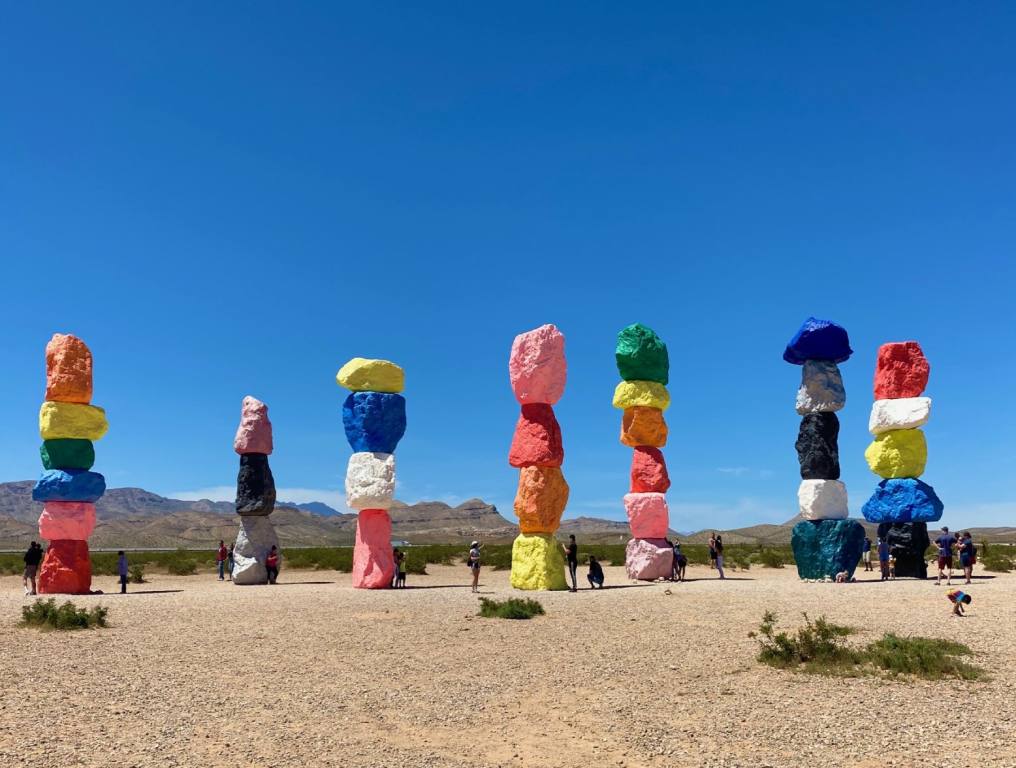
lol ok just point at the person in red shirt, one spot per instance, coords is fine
(272, 564)
(220, 560)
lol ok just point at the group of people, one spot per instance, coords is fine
(33, 558)
(946, 544)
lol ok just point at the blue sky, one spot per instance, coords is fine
(229, 201)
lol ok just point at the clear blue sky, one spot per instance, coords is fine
(235, 200)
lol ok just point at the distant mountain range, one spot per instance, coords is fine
(136, 518)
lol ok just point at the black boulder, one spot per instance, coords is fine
(817, 448)
(908, 543)
(255, 486)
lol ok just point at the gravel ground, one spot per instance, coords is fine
(313, 673)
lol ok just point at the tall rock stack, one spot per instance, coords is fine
(68, 424)
(644, 365)
(825, 542)
(255, 494)
(374, 417)
(902, 505)
(537, 370)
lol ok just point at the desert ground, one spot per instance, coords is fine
(310, 672)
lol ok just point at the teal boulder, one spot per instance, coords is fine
(641, 355)
(827, 547)
(67, 454)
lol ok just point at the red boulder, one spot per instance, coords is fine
(901, 371)
(537, 439)
(66, 569)
(648, 471)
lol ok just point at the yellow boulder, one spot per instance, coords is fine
(363, 375)
(537, 562)
(649, 394)
(900, 453)
(58, 421)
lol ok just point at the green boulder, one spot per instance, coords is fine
(641, 355)
(67, 454)
(826, 547)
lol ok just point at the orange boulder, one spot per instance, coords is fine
(642, 425)
(66, 569)
(541, 499)
(68, 369)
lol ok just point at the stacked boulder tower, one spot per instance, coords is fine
(68, 424)
(825, 542)
(644, 364)
(255, 494)
(537, 370)
(902, 505)
(374, 418)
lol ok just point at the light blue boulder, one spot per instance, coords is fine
(69, 485)
(903, 500)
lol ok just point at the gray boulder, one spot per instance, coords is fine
(253, 542)
(821, 388)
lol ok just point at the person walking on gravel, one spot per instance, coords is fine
(945, 544)
(220, 559)
(968, 554)
(32, 559)
(571, 550)
(883, 557)
(474, 564)
(719, 555)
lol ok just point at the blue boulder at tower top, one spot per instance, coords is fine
(818, 340)
(69, 485)
(826, 547)
(374, 421)
(903, 500)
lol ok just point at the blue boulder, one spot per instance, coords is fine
(818, 340)
(826, 547)
(903, 500)
(69, 485)
(374, 421)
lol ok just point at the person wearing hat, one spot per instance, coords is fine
(945, 544)
(474, 564)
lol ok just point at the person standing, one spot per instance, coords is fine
(33, 556)
(866, 554)
(229, 563)
(121, 567)
(400, 571)
(272, 564)
(945, 544)
(220, 559)
(718, 544)
(967, 554)
(595, 575)
(712, 551)
(680, 563)
(572, 552)
(883, 557)
(474, 564)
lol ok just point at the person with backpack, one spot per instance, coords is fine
(33, 556)
(272, 564)
(474, 564)
(220, 559)
(571, 551)
(968, 556)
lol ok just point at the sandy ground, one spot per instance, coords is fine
(310, 672)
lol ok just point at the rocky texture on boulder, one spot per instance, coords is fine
(821, 388)
(254, 435)
(66, 569)
(537, 368)
(69, 485)
(254, 541)
(255, 486)
(822, 500)
(648, 515)
(817, 448)
(903, 500)
(541, 499)
(900, 371)
(537, 562)
(67, 454)
(68, 369)
(824, 548)
(70, 520)
(373, 564)
(58, 420)
(648, 471)
(643, 426)
(648, 559)
(900, 453)
(374, 421)
(364, 375)
(648, 394)
(641, 355)
(818, 340)
(904, 413)
(537, 438)
(908, 543)
(370, 481)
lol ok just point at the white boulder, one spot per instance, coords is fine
(821, 388)
(902, 413)
(253, 542)
(370, 480)
(822, 499)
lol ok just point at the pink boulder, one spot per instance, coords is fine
(648, 515)
(373, 564)
(900, 371)
(648, 559)
(648, 471)
(73, 520)
(537, 439)
(254, 435)
(537, 367)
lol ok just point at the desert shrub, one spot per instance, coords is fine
(11, 564)
(925, 657)
(104, 564)
(46, 614)
(496, 556)
(769, 558)
(739, 558)
(137, 574)
(182, 567)
(512, 608)
(816, 645)
(996, 560)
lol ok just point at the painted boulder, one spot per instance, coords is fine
(904, 413)
(370, 481)
(641, 425)
(373, 562)
(537, 563)
(648, 515)
(363, 375)
(254, 541)
(903, 500)
(641, 355)
(648, 559)
(541, 499)
(374, 421)
(536, 366)
(901, 370)
(537, 438)
(822, 500)
(817, 448)
(68, 369)
(69, 485)
(254, 435)
(67, 454)
(255, 486)
(648, 471)
(821, 389)
(66, 569)
(72, 520)
(648, 394)
(900, 453)
(908, 543)
(818, 340)
(59, 421)
(824, 548)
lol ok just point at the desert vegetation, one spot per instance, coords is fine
(511, 608)
(47, 615)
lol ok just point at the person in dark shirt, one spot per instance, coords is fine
(571, 550)
(32, 559)
(945, 544)
(121, 567)
(595, 574)
(272, 564)
(968, 555)
(883, 557)
(866, 554)
(680, 562)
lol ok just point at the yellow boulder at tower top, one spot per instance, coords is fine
(58, 421)
(363, 375)
(537, 562)
(649, 394)
(900, 453)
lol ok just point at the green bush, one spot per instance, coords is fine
(182, 567)
(137, 574)
(46, 614)
(925, 657)
(769, 558)
(816, 645)
(996, 561)
(512, 608)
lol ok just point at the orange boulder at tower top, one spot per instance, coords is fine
(68, 369)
